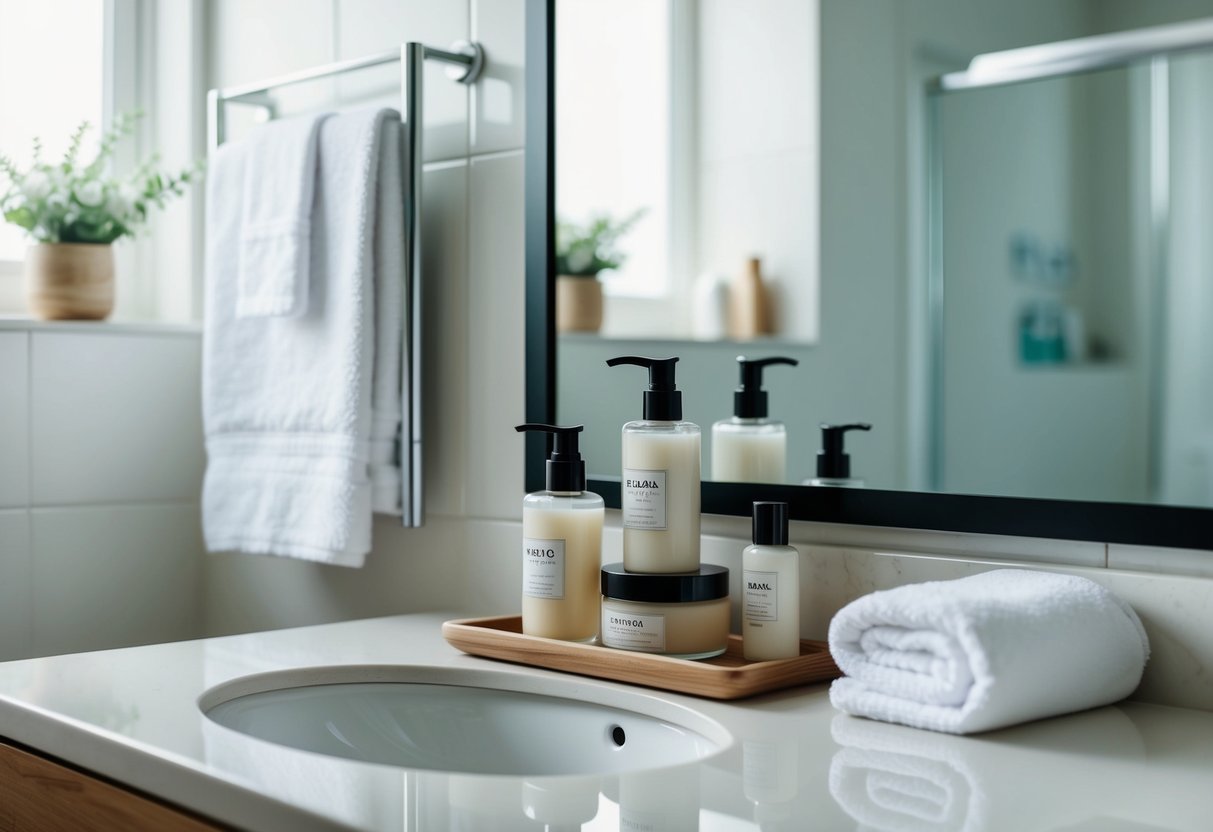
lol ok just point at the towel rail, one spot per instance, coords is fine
(466, 61)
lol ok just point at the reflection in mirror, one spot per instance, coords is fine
(1009, 276)
(687, 129)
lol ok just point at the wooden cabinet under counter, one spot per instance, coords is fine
(43, 795)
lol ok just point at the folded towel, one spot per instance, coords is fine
(289, 402)
(275, 233)
(986, 651)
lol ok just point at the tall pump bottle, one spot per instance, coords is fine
(833, 461)
(661, 473)
(561, 546)
(750, 447)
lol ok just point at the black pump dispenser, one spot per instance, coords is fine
(662, 399)
(750, 400)
(565, 467)
(833, 462)
(770, 523)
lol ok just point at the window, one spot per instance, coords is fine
(52, 68)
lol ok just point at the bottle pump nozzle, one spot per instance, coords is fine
(662, 399)
(833, 462)
(750, 400)
(565, 467)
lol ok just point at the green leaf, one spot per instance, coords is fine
(22, 217)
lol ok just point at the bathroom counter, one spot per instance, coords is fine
(131, 715)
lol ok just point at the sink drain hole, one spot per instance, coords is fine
(618, 736)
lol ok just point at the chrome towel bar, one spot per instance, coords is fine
(465, 63)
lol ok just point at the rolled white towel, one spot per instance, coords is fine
(986, 651)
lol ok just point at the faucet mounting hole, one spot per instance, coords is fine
(618, 736)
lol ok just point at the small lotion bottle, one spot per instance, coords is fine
(561, 546)
(833, 461)
(661, 474)
(770, 612)
(750, 447)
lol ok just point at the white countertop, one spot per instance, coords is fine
(795, 763)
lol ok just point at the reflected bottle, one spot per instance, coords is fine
(749, 447)
(833, 462)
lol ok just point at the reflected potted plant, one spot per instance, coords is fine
(73, 211)
(583, 252)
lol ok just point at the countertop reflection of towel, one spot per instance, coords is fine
(888, 780)
(1036, 776)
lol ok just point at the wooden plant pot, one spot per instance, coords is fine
(70, 281)
(578, 304)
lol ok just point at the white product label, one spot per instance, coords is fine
(645, 633)
(643, 499)
(761, 591)
(543, 568)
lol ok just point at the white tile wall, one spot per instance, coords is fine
(101, 455)
(1167, 561)
(499, 99)
(116, 418)
(367, 27)
(114, 575)
(251, 40)
(445, 334)
(14, 585)
(409, 570)
(496, 339)
(14, 419)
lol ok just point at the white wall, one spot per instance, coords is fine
(100, 472)
(756, 122)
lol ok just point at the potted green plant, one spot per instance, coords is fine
(583, 252)
(73, 211)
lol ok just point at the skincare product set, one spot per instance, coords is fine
(660, 599)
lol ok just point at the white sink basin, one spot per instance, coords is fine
(444, 719)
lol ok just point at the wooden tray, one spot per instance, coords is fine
(728, 676)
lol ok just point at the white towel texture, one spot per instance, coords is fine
(986, 651)
(301, 413)
(275, 232)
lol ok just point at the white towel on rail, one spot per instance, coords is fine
(297, 409)
(275, 233)
(987, 651)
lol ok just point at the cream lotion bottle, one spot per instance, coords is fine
(561, 546)
(751, 447)
(661, 473)
(770, 612)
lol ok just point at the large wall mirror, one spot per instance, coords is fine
(1001, 264)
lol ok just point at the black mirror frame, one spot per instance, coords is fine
(1128, 523)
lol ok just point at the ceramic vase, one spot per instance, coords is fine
(70, 281)
(578, 304)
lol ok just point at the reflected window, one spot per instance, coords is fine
(613, 74)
